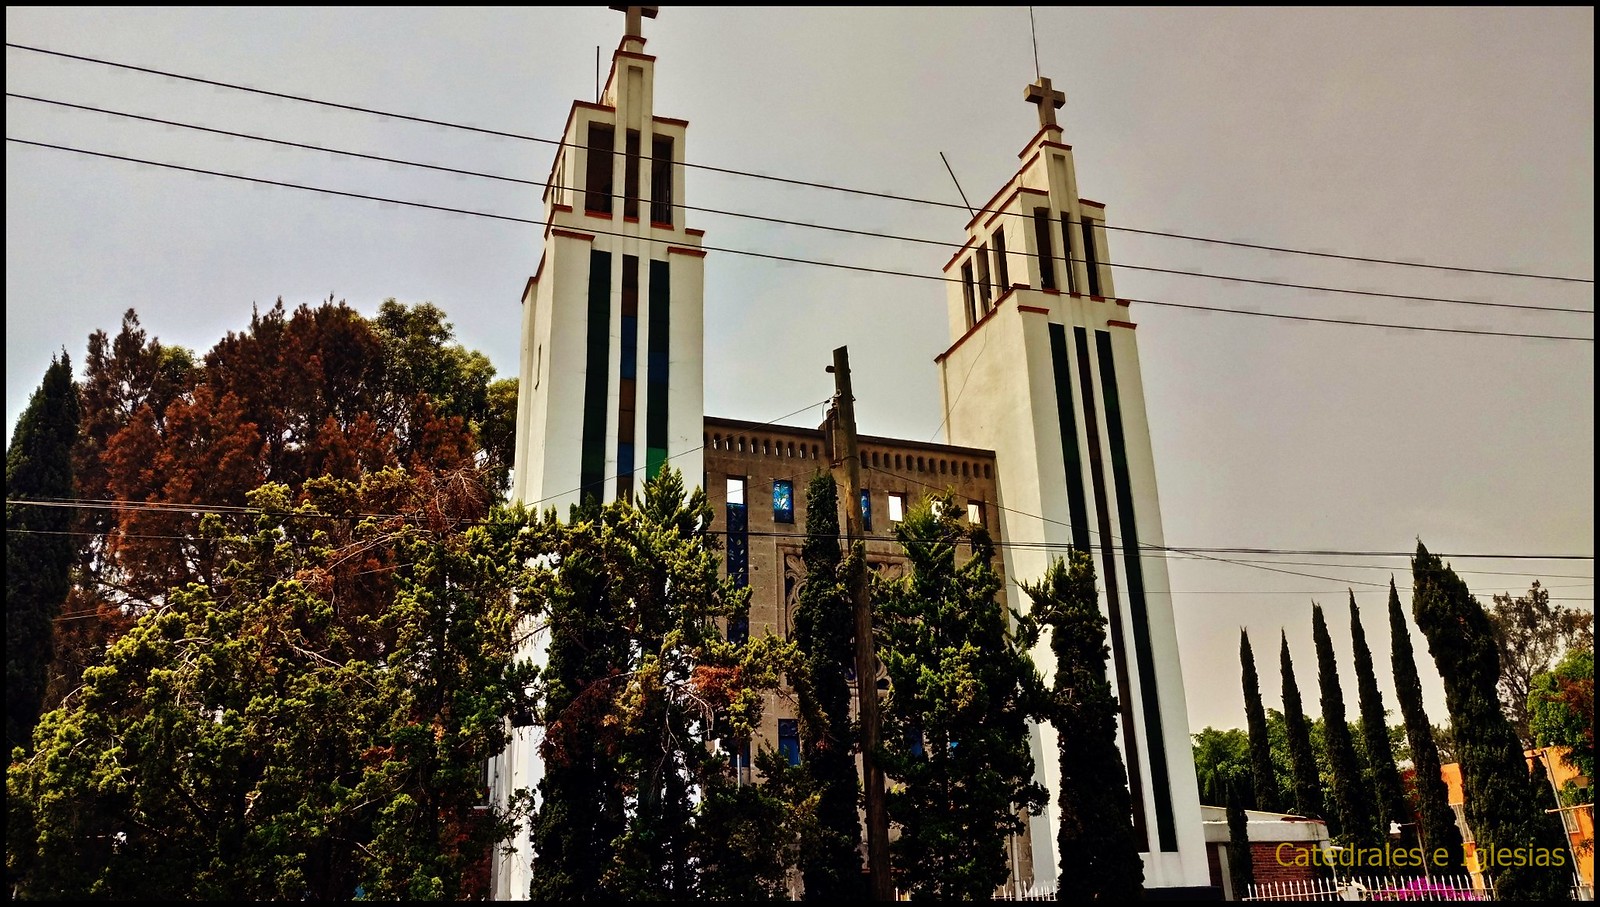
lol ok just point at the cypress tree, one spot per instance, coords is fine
(1438, 828)
(1306, 786)
(1390, 794)
(1357, 818)
(955, 725)
(1241, 872)
(1099, 851)
(824, 625)
(39, 550)
(1268, 795)
(1504, 807)
(581, 799)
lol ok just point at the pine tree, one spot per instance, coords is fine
(1241, 871)
(1438, 827)
(824, 626)
(39, 548)
(1099, 851)
(1268, 795)
(1504, 808)
(1306, 786)
(1353, 800)
(955, 724)
(1390, 793)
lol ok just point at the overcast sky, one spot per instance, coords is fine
(1450, 136)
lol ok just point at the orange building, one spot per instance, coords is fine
(1577, 821)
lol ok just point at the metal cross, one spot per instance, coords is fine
(1049, 101)
(634, 13)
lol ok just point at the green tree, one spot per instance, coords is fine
(1438, 822)
(1219, 756)
(1532, 635)
(1561, 713)
(955, 723)
(1267, 794)
(1306, 787)
(1099, 852)
(1241, 869)
(1379, 748)
(1502, 804)
(266, 737)
(581, 794)
(39, 543)
(824, 631)
(1353, 800)
(683, 689)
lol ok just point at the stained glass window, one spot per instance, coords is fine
(783, 501)
(866, 510)
(789, 739)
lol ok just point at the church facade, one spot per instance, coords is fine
(1046, 429)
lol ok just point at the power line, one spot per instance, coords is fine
(197, 508)
(786, 180)
(783, 258)
(945, 244)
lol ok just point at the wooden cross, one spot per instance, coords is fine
(1049, 101)
(635, 13)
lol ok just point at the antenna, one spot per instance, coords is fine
(597, 73)
(958, 184)
(1035, 29)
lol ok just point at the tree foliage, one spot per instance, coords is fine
(1304, 783)
(1532, 635)
(1561, 713)
(955, 731)
(320, 391)
(271, 734)
(636, 803)
(1241, 869)
(1502, 804)
(1219, 757)
(1389, 795)
(1352, 798)
(39, 544)
(1437, 819)
(1265, 792)
(1099, 851)
(824, 632)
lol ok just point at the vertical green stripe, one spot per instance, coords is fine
(1076, 507)
(656, 366)
(596, 378)
(1149, 694)
(1108, 575)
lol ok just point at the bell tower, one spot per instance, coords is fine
(1043, 369)
(611, 384)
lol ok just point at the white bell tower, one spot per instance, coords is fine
(1043, 369)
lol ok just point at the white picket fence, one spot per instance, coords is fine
(1371, 888)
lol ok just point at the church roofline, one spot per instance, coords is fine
(816, 434)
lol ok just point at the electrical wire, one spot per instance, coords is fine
(761, 176)
(945, 244)
(784, 258)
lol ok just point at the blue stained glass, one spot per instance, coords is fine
(866, 510)
(783, 501)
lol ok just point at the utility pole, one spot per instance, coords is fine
(842, 446)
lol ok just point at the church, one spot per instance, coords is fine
(1046, 430)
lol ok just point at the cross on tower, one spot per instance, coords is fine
(1049, 101)
(635, 13)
